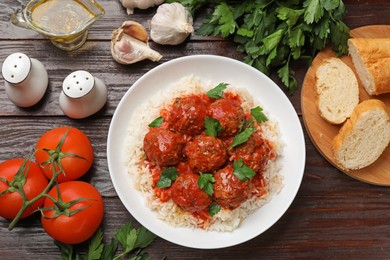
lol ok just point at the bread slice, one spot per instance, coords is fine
(371, 59)
(363, 137)
(337, 90)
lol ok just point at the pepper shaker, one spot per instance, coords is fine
(82, 95)
(26, 79)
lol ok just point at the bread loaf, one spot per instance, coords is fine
(364, 136)
(337, 90)
(371, 59)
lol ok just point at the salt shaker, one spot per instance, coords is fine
(82, 95)
(26, 79)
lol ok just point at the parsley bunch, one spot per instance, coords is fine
(273, 33)
(131, 239)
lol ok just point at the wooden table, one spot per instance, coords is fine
(333, 215)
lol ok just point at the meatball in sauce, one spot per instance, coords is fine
(230, 115)
(187, 114)
(186, 193)
(205, 153)
(255, 153)
(163, 147)
(229, 191)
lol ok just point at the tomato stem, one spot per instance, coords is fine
(28, 203)
(61, 207)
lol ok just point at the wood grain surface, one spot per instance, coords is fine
(332, 217)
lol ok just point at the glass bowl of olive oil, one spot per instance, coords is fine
(64, 22)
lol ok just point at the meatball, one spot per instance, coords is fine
(163, 147)
(186, 193)
(230, 114)
(229, 191)
(205, 153)
(254, 153)
(187, 114)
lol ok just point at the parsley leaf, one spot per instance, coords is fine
(217, 91)
(205, 183)
(245, 32)
(95, 247)
(110, 250)
(167, 176)
(314, 11)
(156, 122)
(286, 75)
(214, 209)
(291, 16)
(258, 114)
(242, 137)
(242, 171)
(127, 237)
(132, 238)
(272, 40)
(144, 237)
(339, 35)
(66, 250)
(212, 126)
(223, 15)
(207, 28)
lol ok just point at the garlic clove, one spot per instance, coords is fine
(135, 30)
(171, 24)
(129, 44)
(129, 50)
(130, 5)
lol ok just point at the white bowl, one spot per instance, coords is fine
(216, 69)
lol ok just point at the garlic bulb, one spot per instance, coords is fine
(141, 4)
(171, 24)
(129, 44)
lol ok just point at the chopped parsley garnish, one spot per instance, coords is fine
(242, 137)
(167, 176)
(205, 183)
(258, 114)
(214, 209)
(212, 126)
(156, 122)
(242, 171)
(217, 92)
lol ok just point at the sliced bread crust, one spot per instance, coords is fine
(364, 136)
(337, 90)
(371, 59)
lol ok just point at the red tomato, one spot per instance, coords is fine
(76, 143)
(36, 182)
(80, 226)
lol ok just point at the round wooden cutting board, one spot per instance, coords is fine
(322, 133)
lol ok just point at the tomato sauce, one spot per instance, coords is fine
(163, 194)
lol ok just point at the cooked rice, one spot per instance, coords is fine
(225, 220)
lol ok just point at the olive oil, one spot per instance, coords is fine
(64, 22)
(61, 17)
